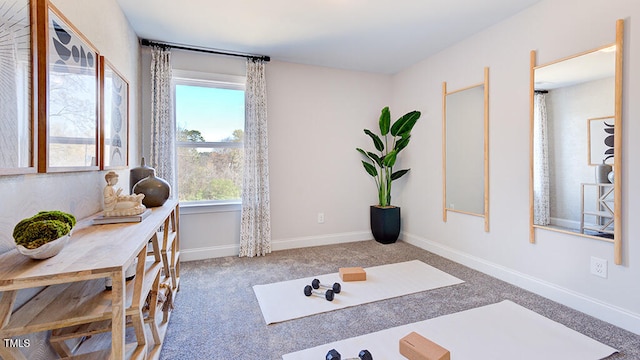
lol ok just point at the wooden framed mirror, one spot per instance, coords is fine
(576, 144)
(18, 79)
(465, 150)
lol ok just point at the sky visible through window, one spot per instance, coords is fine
(215, 112)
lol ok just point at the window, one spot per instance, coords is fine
(209, 144)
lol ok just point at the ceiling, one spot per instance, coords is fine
(380, 36)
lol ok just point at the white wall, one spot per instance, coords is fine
(78, 193)
(316, 120)
(316, 116)
(557, 265)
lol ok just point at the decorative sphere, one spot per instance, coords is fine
(610, 176)
(156, 190)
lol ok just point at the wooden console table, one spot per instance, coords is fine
(74, 292)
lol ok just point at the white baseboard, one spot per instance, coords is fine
(610, 313)
(276, 245)
(209, 252)
(328, 239)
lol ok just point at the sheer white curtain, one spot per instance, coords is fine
(163, 127)
(255, 231)
(541, 214)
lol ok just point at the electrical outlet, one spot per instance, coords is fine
(599, 267)
(320, 218)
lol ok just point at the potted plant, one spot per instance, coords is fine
(385, 218)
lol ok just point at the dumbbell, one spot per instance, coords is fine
(336, 286)
(333, 354)
(308, 291)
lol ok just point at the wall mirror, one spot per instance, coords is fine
(576, 144)
(17, 69)
(465, 146)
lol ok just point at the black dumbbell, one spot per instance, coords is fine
(333, 354)
(336, 286)
(308, 291)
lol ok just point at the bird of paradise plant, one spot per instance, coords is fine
(391, 141)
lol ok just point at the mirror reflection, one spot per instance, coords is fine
(573, 144)
(465, 161)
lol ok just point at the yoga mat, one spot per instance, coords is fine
(503, 330)
(286, 300)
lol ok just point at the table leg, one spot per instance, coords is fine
(11, 353)
(118, 314)
(6, 306)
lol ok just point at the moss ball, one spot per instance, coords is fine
(42, 228)
(41, 232)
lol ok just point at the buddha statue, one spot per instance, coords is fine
(116, 204)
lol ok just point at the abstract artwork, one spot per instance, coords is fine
(73, 97)
(600, 138)
(16, 74)
(115, 117)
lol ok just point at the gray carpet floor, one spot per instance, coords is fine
(217, 316)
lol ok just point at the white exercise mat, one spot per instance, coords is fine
(286, 300)
(499, 331)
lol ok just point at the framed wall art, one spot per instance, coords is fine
(114, 107)
(18, 74)
(70, 130)
(600, 138)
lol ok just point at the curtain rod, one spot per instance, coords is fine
(146, 42)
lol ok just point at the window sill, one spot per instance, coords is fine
(210, 207)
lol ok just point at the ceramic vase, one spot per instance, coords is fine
(156, 190)
(602, 172)
(138, 173)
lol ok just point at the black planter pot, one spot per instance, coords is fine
(385, 224)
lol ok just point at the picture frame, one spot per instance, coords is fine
(114, 108)
(18, 82)
(600, 140)
(69, 96)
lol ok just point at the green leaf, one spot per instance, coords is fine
(376, 140)
(390, 158)
(362, 152)
(370, 169)
(375, 158)
(405, 123)
(402, 143)
(398, 174)
(385, 121)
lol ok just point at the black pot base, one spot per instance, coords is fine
(385, 224)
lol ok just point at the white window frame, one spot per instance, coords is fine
(219, 81)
